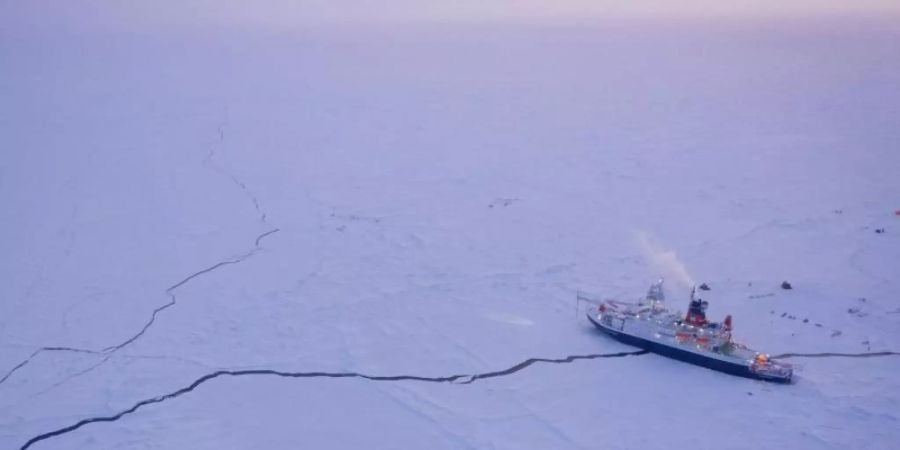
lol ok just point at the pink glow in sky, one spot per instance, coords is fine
(276, 13)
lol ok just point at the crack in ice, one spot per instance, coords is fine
(455, 379)
(42, 350)
(835, 355)
(108, 351)
(458, 379)
(208, 161)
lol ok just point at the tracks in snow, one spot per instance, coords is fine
(457, 379)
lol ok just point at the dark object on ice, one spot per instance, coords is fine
(650, 326)
(879, 230)
(783, 314)
(704, 287)
(502, 202)
(805, 320)
(835, 333)
(786, 285)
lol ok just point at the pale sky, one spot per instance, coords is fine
(276, 13)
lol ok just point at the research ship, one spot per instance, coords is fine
(648, 325)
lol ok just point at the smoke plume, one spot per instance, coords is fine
(664, 261)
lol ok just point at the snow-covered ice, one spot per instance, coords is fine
(425, 202)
